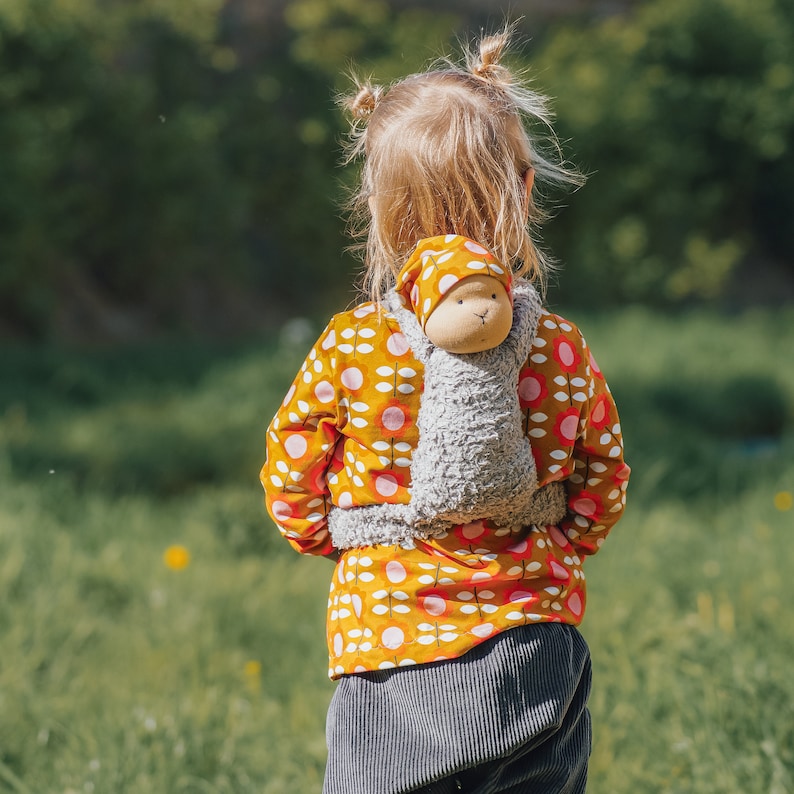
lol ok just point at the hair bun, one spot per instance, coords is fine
(364, 102)
(487, 66)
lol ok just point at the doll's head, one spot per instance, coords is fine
(460, 294)
(449, 151)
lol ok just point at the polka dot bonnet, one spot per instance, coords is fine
(437, 264)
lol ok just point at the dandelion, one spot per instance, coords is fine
(253, 672)
(176, 558)
(253, 668)
(784, 501)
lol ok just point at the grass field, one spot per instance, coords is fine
(126, 667)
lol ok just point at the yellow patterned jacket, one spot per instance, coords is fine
(344, 436)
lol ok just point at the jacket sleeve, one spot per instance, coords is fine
(301, 440)
(575, 432)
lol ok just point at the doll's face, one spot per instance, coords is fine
(475, 315)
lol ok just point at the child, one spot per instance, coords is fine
(454, 643)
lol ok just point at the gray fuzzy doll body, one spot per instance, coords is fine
(473, 460)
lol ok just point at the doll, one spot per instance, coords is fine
(472, 328)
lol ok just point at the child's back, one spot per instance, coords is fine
(454, 644)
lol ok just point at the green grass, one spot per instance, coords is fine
(118, 674)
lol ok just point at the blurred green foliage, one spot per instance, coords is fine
(683, 113)
(368, 35)
(138, 184)
(173, 166)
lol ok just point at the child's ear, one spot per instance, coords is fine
(529, 181)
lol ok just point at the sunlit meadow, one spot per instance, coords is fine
(157, 636)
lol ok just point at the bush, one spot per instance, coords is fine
(149, 173)
(683, 113)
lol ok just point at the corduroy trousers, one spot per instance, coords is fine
(508, 716)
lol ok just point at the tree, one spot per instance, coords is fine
(683, 112)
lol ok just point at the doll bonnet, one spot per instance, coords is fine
(438, 264)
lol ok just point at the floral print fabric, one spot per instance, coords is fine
(344, 436)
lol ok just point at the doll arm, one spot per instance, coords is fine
(300, 444)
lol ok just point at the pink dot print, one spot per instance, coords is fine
(599, 412)
(434, 605)
(363, 311)
(345, 500)
(575, 604)
(556, 535)
(569, 426)
(392, 638)
(296, 446)
(475, 248)
(281, 510)
(386, 485)
(447, 282)
(585, 507)
(529, 389)
(472, 531)
(558, 571)
(324, 391)
(395, 572)
(352, 378)
(393, 418)
(566, 353)
(397, 344)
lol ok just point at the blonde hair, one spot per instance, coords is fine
(445, 152)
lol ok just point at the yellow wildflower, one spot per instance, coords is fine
(253, 676)
(784, 501)
(176, 558)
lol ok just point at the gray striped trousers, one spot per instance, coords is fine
(508, 716)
